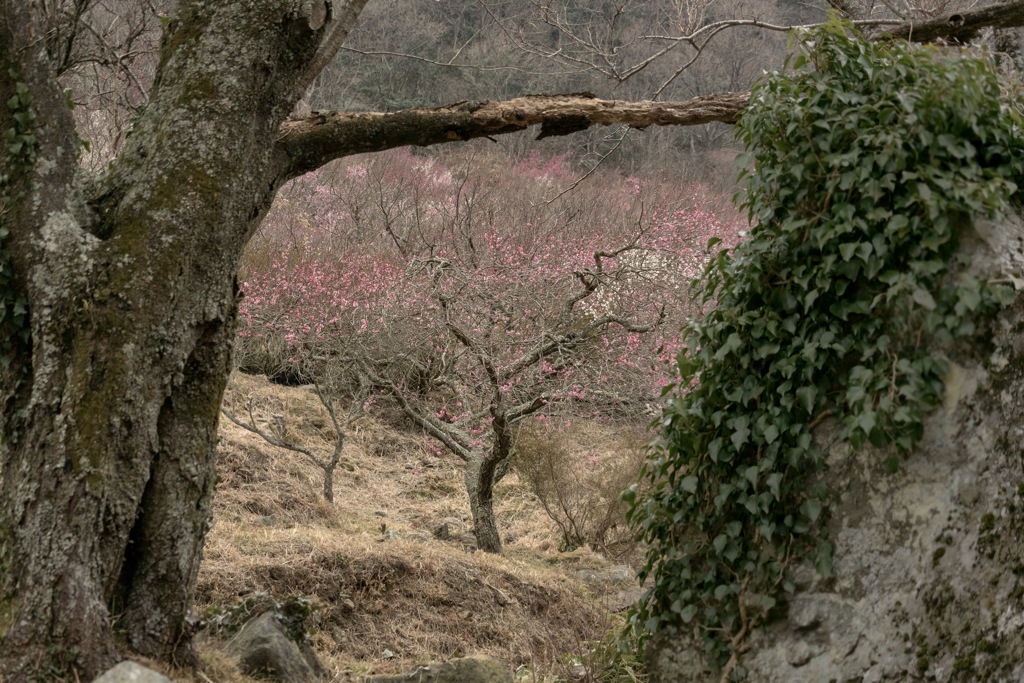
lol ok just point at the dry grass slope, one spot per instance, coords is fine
(389, 595)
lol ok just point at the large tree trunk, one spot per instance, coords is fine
(112, 424)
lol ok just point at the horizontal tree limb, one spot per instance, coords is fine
(311, 142)
(305, 145)
(959, 27)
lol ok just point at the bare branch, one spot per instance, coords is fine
(451, 62)
(270, 438)
(961, 27)
(356, 409)
(485, 359)
(576, 183)
(337, 31)
(700, 34)
(592, 279)
(457, 441)
(570, 341)
(524, 410)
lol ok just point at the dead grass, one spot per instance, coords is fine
(385, 605)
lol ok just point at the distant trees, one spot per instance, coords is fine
(472, 309)
(276, 433)
(424, 53)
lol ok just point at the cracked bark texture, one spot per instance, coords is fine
(309, 143)
(131, 292)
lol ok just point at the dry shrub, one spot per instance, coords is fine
(578, 474)
(267, 355)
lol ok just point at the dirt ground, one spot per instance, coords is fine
(388, 595)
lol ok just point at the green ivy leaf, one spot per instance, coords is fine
(807, 395)
(923, 298)
(750, 474)
(741, 432)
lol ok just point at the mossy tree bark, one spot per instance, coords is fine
(108, 411)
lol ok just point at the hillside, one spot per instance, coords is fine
(389, 595)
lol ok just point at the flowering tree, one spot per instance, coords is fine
(470, 307)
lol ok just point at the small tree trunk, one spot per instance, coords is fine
(329, 483)
(480, 487)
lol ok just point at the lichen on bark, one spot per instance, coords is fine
(127, 383)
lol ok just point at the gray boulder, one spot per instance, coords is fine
(448, 528)
(264, 650)
(130, 672)
(618, 573)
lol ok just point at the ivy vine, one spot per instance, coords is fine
(865, 162)
(19, 150)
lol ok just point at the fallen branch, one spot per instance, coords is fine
(313, 141)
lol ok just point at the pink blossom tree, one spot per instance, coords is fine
(473, 307)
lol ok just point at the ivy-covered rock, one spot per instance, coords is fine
(797, 456)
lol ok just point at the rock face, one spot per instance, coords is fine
(618, 581)
(130, 672)
(928, 582)
(476, 669)
(264, 649)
